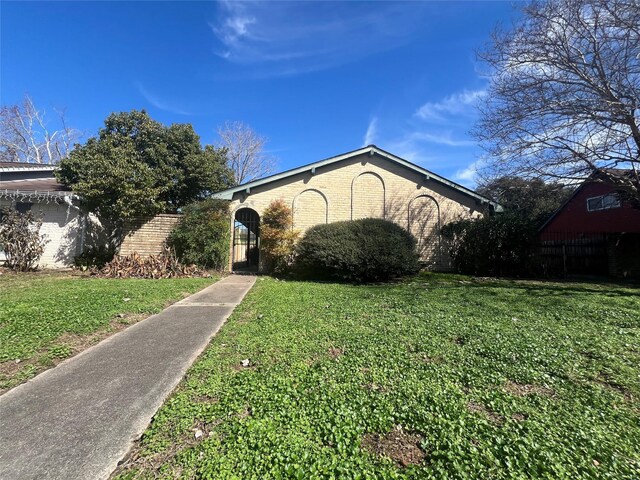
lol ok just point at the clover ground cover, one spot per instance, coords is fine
(436, 377)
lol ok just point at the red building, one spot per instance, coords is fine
(594, 232)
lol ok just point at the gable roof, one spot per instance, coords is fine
(593, 178)
(371, 150)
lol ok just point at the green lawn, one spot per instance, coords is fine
(47, 317)
(438, 377)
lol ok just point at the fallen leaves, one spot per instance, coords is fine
(165, 265)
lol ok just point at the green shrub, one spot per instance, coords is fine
(498, 245)
(277, 237)
(357, 251)
(202, 235)
(20, 239)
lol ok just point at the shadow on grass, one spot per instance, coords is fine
(568, 289)
(603, 286)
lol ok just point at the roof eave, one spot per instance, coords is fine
(438, 178)
(371, 149)
(228, 193)
(51, 193)
(223, 195)
(26, 169)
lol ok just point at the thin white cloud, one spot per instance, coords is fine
(372, 132)
(420, 145)
(467, 175)
(159, 103)
(287, 38)
(461, 103)
(436, 136)
(238, 25)
(441, 138)
(407, 148)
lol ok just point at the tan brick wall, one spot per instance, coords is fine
(147, 236)
(310, 208)
(424, 221)
(367, 196)
(368, 186)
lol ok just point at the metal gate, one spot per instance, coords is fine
(246, 240)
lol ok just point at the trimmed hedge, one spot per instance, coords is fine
(202, 236)
(363, 250)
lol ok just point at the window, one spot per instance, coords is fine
(603, 202)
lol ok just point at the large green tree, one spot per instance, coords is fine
(137, 166)
(531, 198)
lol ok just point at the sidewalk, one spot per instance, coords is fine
(77, 420)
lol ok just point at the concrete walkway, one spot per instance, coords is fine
(77, 420)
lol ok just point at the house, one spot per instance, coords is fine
(368, 182)
(594, 232)
(29, 186)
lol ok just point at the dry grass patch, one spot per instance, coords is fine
(479, 408)
(335, 352)
(519, 417)
(429, 359)
(523, 389)
(204, 398)
(404, 448)
(245, 413)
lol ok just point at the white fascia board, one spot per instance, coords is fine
(228, 193)
(26, 169)
(371, 149)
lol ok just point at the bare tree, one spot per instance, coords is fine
(564, 98)
(26, 137)
(245, 152)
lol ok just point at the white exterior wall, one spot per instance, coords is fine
(62, 228)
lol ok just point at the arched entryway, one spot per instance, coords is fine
(246, 240)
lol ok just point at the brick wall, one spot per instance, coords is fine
(367, 186)
(147, 236)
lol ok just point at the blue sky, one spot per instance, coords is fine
(318, 79)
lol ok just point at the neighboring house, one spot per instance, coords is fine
(594, 232)
(368, 182)
(29, 186)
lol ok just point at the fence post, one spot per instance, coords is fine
(564, 258)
